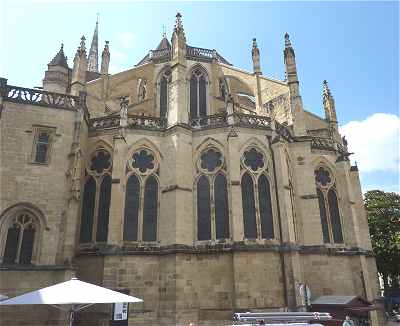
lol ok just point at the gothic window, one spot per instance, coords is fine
(43, 138)
(256, 197)
(20, 233)
(164, 81)
(141, 197)
(96, 198)
(198, 94)
(328, 206)
(212, 197)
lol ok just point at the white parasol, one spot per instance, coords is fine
(76, 294)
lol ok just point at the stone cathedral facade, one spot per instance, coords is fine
(199, 187)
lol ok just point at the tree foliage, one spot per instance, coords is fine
(383, 210)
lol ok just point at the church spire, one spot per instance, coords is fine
(93, 59)
(329, 106)
(178, 40)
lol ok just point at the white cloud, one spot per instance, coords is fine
(114, 69)
(126, 39)
(117, 55)
(375, 142)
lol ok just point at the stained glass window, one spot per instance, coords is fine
(264, 198)
(254, 159)
(104, 208)
(143, 161)
(210, 160)
(100, 162)
(150, 209)
(335, 217)
(221, 207)
(249, 209)
(88, 202)
(324, 220)
(131, 214)
(203, 209)
(198, 94)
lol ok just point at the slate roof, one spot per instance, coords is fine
(60, 59)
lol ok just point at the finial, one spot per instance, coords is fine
(254, 42)
(326, 90)
(178, 22)
(82, 45)
(97, 18)
(164, 33)
(62, 46)
(287, 41)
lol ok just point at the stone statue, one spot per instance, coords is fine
(123, 113)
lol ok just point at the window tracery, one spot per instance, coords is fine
(256, 196)
(20, 236)
(96, 198)
(328, 206)
(212, 196)
(141, 197)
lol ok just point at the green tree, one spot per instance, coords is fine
(383, 210)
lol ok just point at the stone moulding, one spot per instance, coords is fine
(216, 248)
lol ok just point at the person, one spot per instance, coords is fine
(348, 321)
(262, 322)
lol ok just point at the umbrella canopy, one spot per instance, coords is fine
(71, 292)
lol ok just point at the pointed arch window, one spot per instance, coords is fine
(198, 94)
(21, 233)
(256, 193)
(212, 197)
(141, 197)
(165, 79)
(328, 206)
(96, 198)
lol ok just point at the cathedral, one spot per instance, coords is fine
(199, 187)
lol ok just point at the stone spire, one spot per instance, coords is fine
(178, 39)
(105, 59)
(296, 102)
(80, 68)
(93, 59)
(255, 53)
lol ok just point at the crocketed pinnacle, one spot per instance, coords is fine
(178, 23)
(326, 91)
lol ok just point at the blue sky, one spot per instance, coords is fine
(354, 45)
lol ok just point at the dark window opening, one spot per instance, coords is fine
(335, 217)
(88, 202)
(203, 209)
(323, 216)
(42, 147)
(249, 209)
(150, 209)
(264, 198)
(131, 214)
(104, 208)
(221, 207)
